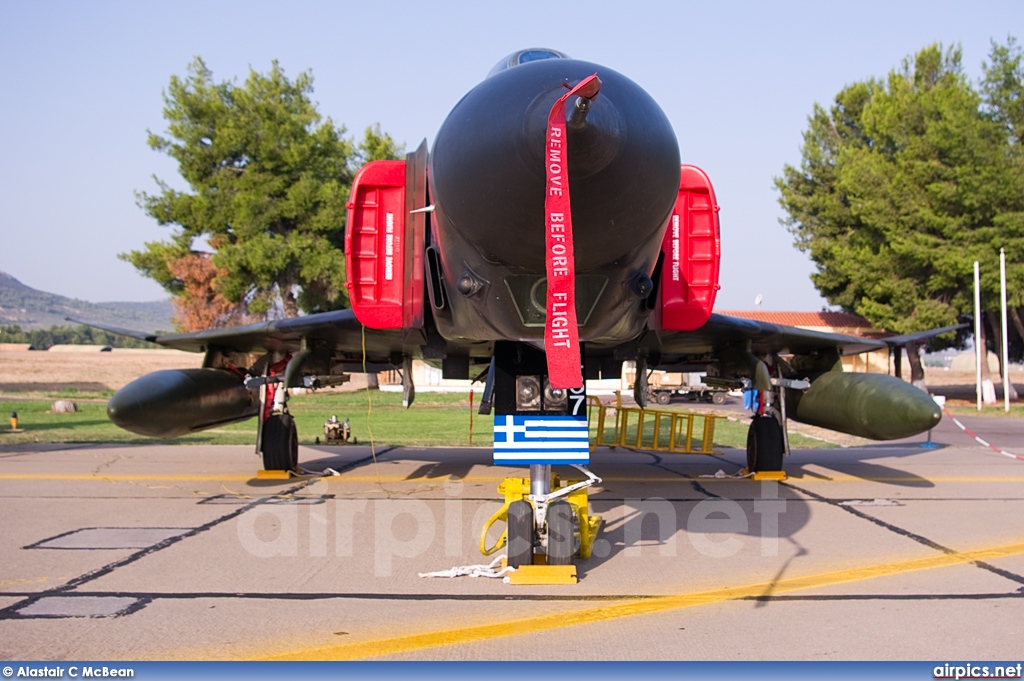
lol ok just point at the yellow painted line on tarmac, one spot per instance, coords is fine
(681, 480)
(821, 477)
(903, 478)
(422, 478)
(221, 478)
(502, 629)
(123, 478)
(24, 581)
(825, 478)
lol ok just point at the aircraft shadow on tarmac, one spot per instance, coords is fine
(865, 471)
(657, 505)
(653, 518)
(443, 469)
(352, 457)
(660, 518)
(654, 527)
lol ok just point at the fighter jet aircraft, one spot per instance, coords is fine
(549, 235)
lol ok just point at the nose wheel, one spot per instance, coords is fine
(561, 535)
(520, 533)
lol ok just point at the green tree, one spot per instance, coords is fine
(13, 334)
(903, 184)
(1002, 90)
(378, 146)
(268, 178)
(42, 339)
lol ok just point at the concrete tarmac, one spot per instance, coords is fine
(891, 551)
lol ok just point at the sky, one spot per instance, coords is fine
(737, 80)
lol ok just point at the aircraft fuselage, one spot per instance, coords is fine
(487, 184)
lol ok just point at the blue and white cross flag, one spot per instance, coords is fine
(520, 440)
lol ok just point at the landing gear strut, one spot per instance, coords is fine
(767, 441)
(536, 424)
(278, 439)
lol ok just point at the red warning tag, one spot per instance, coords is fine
(561, 335)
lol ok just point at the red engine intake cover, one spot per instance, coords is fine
(692, 248)
(379, 251)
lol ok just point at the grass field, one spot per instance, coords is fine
(30, 381)
(1016, 410)
(436, 419)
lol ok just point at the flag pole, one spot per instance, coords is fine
(977, 330)
(1006, 343)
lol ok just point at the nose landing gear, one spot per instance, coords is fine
(548, 523)
(536, 424)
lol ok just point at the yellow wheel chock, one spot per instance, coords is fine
(273, 475)
(769, 475)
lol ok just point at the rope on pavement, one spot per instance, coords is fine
(492, 570)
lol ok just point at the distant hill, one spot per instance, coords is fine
(33, 309)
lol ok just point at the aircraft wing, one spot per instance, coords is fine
(910, 338)
(339, 330)
(342, 332)
(722, 332)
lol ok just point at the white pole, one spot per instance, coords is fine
(1006, 343)
(977, 329)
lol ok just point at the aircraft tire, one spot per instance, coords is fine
(561, 538)
(718, 398)
(663, 397)
(280, 443)
(765, 445)
(520, 534)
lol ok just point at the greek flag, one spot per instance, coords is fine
(541, 439)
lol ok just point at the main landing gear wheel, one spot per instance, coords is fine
(561, 538)
(765, 445)
(280, 443)
(520, 533)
